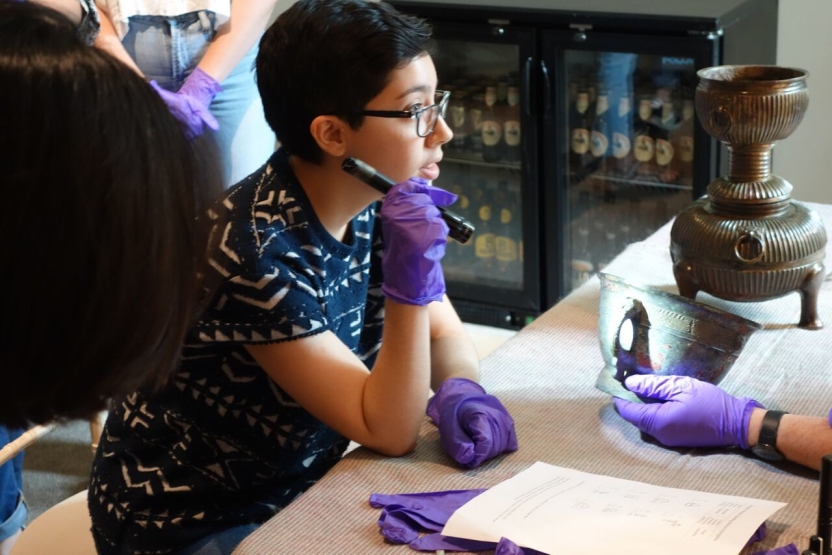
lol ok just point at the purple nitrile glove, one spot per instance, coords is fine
(438, 542)
(190, 104)
(830, 418)
(404, 515)
(414, 242)
(473, 425)
(759, 535)
(790, 549)
(694, 414)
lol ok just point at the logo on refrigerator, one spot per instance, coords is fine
(677, 62)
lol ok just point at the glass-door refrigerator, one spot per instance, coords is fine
(574, 132)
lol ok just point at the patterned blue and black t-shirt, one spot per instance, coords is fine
(223, 445)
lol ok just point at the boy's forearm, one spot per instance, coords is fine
(396, 392)
(801, 439)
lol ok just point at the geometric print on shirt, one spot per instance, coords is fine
(222, 444)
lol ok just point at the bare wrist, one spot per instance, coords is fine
(754, 424)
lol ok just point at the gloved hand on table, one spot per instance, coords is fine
(790, 549)
(473, 425)
(693, 414)
(414, 242)
(190, 104)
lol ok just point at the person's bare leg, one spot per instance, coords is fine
(6, 545)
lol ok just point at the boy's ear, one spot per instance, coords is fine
(329, 133)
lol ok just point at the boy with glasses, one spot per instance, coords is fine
(331, 322)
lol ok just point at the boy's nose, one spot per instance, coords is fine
(441, 133)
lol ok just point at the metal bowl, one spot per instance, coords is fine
(644, 330)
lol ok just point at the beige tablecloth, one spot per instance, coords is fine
(545, 376)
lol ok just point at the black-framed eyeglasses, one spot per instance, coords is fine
(426, 117)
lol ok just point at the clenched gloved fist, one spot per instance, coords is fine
(693, 414)
(473, 425)
(414, 242)
(189, 105)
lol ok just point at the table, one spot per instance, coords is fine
(545, 376)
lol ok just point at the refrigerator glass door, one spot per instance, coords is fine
(488, 164)
(628, 151)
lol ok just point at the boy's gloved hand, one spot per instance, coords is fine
(414, 242)
(190, 104)
(694, 414)
(473, 425)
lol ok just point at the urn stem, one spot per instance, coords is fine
(749, 163)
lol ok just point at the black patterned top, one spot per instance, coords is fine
(223, 445)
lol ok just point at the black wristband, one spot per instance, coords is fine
(766, 443)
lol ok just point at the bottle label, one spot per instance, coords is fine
(664, 152)
(505, 216)
(645, 110)
(484, 246)
(513, 96)
(457, 117)
(686, 148)
(644, 149)
(580, 141)
(476, 119)
(582, 102)
(485, 212)
(492, 132)
(463, 202)
(620, 145)
(506, 249)
(600, 144)
(490, 96)
(512, 133)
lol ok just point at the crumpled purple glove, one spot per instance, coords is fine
(189, 105)
(404, 515)
(790, 549)
(694, 414)
(414, 242)
(473, 425)
(830, 418)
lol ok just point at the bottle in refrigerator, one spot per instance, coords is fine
(622, 144)
(599, 141)
(458, 120)
(462, 253)
(580, 156)
(505, 235)
(608, 247)
(665, 152)
(484, 242)
(683, 140)
(582, 267)
(475, 121)
(511, 129)
(492, 127)
(644, 145)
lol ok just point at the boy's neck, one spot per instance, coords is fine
(336, 196)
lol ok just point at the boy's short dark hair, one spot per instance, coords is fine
(331, 57)
(101, 239)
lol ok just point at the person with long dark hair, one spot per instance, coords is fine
(103, 231)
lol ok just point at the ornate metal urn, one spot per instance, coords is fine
(747, 240)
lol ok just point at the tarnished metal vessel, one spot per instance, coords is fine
(747, 240)
(644, 330)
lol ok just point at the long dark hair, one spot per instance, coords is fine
(102, 235)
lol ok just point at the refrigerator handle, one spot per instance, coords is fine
(547, 88)
(527, 84)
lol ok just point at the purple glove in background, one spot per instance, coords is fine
(830, 418)
(694, 414)
(473, 425)
(189, 105)
(414, 242)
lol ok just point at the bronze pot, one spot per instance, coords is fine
(747, 240)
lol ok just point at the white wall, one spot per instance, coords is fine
(804, 40)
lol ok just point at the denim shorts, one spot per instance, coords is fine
(12, 508)
(168, 49)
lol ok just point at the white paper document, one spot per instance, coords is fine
(558, 510)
